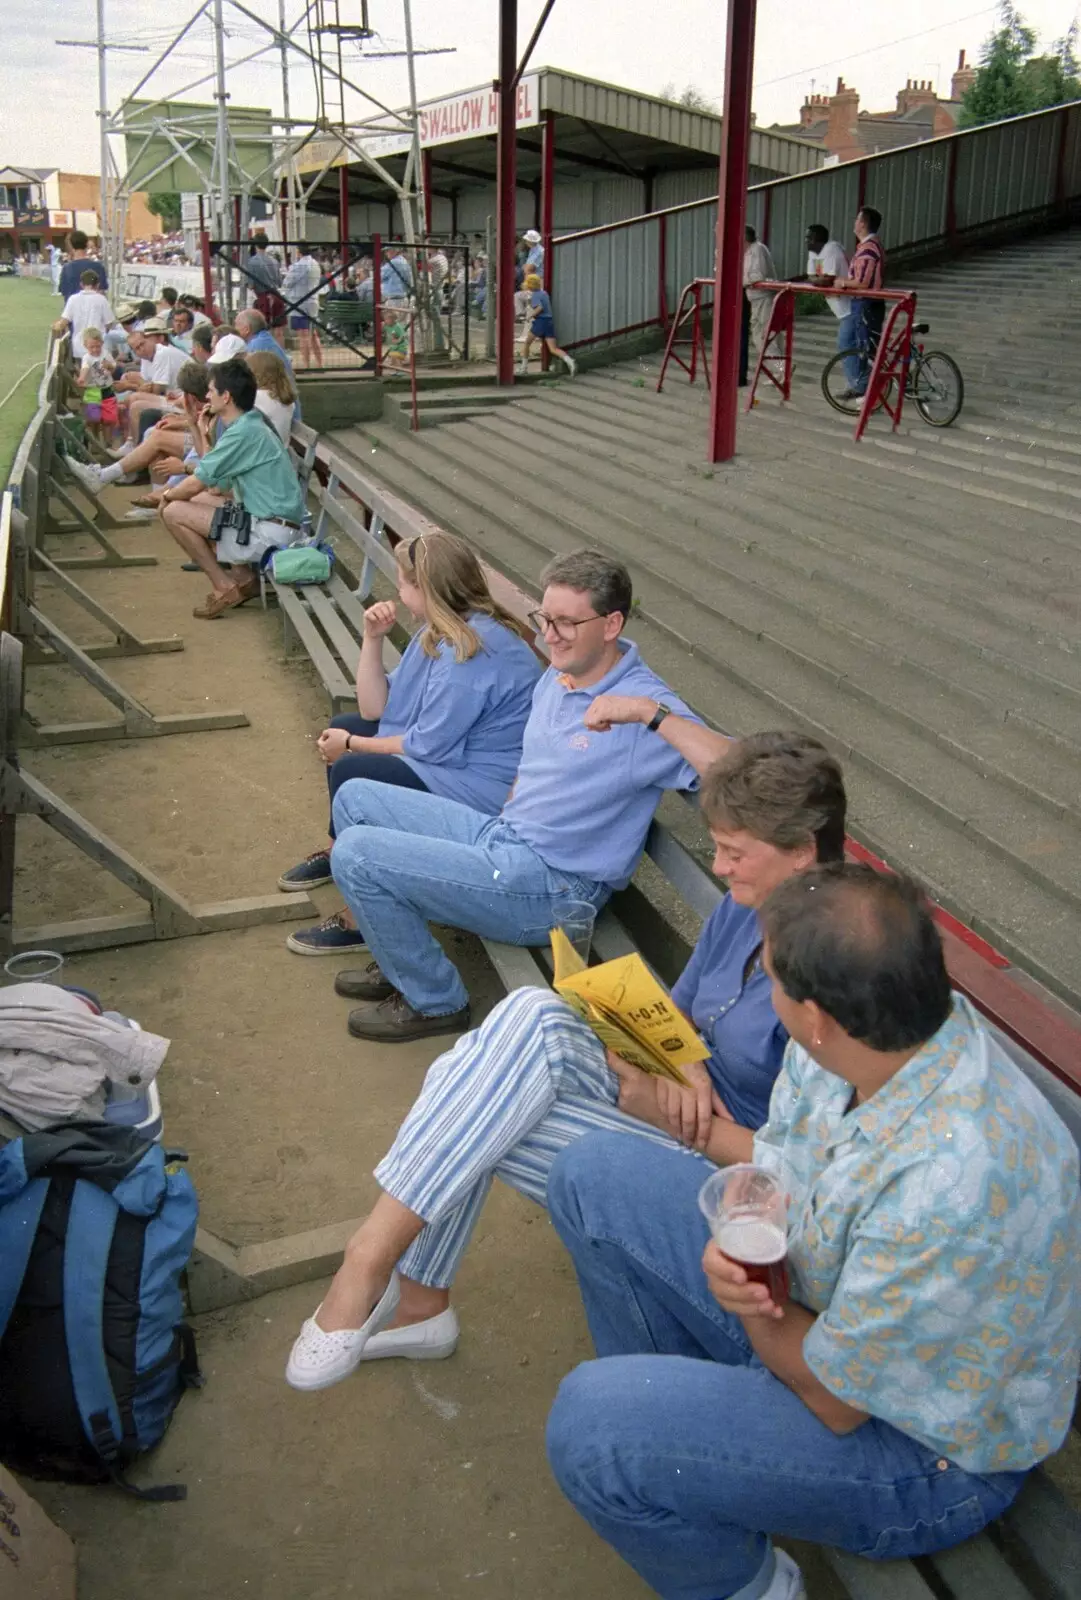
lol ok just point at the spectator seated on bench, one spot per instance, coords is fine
(152, 391)
(534, 1078)
(447, 721)
(170, 447)
(572, 828)
(251, 326)
(250, 460)
(276, 394)
(927, 1356)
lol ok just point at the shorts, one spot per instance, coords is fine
(272, 307)
(544, 328)
(103, 410)
(299, 322)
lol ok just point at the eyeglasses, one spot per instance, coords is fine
(563, 627)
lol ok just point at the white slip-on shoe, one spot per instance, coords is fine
(787, 1581)
(319, 1359)
(432, 1340)
(88, 475)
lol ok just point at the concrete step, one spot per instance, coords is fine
(994, 896)
(738, 622)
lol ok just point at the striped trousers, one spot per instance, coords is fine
(502, 1103)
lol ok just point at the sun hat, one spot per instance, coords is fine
(531, 236)
(228, 346)
(154, 325)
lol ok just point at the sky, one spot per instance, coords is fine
(48, 93)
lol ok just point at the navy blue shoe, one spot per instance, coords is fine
(330, 938)
(310, 873)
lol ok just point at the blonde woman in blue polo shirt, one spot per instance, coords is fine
(448, 720)
(534, 1079)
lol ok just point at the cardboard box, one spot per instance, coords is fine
(37, 1561)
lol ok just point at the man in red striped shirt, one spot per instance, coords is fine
(864, 321)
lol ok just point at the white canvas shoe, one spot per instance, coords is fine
(787, 1581)
(319, 1359)
(431, 1340)
(88, 475)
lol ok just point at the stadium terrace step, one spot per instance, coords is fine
(914, 599)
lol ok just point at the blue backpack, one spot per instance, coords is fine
(96, 1227)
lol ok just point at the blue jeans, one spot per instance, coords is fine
(403, 859)
(855, 332)
(679, 1447)
(380, 768)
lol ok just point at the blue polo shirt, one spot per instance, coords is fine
(726, 994)
(463, 720)
(584, 800)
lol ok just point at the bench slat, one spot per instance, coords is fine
(1047, 1528)
(880, 1580)
(353, 527)
(975, 1570)
(334, 680)
(610, 938)
(701, 892)
(515, 964)
(333, 624)
(348, 603)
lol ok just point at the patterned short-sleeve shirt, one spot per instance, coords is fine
(936, 1229)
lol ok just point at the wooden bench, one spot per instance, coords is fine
(327, 619)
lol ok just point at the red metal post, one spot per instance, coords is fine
(1060, 160)
(426, 185)
(731, 214)
(343, 217)
(951, 190)
(662, 269)
(547, 201)
(377, 301)
(506, 184)
(208, 277)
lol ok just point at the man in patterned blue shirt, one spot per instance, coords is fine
(928, 1354)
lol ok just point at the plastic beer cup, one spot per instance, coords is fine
(577, 918)
(748, 1218)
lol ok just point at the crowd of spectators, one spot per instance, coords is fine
(924, 1352)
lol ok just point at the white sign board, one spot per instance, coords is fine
(475, 115)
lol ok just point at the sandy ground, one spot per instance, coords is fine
(408, 1481)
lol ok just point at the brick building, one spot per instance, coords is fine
(836, 122)
(41, 205)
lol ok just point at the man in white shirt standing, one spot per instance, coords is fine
(826, 260)
(757, 267)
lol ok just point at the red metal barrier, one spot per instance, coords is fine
(889, 370)
(688, 310)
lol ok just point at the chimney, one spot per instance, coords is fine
(842, 136)
(813, 110)
(916, 92)
(962, 80)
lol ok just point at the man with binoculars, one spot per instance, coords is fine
(228, 538)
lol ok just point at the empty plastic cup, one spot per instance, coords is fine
(576, 918)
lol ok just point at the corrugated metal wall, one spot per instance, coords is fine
(609, 278)
(1006, 170)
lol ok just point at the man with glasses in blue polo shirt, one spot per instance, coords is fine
(573, 826)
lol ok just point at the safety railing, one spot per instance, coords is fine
(624, 278)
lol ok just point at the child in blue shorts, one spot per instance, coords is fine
(543, 325)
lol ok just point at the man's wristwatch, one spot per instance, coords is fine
(658, 716)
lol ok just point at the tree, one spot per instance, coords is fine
(691, 97)
(166, 205)
(1012, 79)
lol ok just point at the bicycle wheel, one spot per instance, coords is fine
(835, 383)
(938, 389)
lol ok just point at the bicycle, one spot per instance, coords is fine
(933, 382)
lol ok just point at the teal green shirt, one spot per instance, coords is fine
(250, 459)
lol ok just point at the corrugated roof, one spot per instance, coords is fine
(651, 117)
